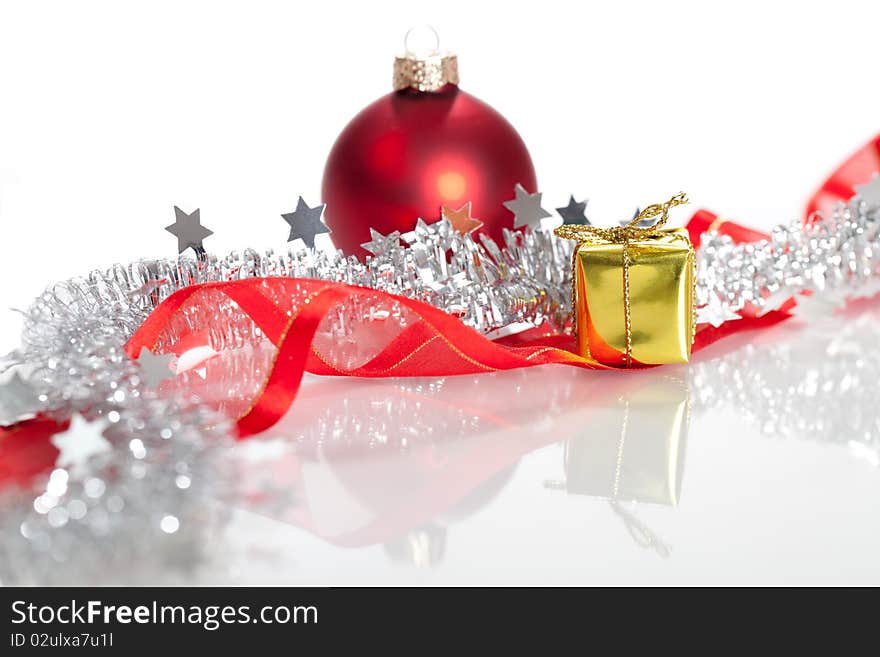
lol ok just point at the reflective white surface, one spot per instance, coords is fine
(757, 464)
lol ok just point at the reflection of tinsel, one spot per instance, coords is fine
(377, 423)
(819, 385)
(398, 415)
(408, 421)
(144, 502)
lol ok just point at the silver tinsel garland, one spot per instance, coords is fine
(151, 499)
(827, 261)
(146, 499)
(493, 289)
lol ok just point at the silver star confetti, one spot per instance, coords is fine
(155, 368)
(420, 232)
(305, 222)
(81, 441)
(526, 208)
(380, 245)
(121, 510)
(188, 230)
(18, 401)
(440, 234)
(870, 191)
(574, 212)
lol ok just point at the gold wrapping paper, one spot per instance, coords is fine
(633, 290)
(659, 294)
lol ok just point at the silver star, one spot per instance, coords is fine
(155, 368)
(81, 441)
(188, 230)
(526, 208)
(18, 401)
(574, 212)
(716, 313)
(870, 191)
(422, 231)
(305, 222)
(379, 244)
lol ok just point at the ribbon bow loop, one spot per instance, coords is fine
(630, 231)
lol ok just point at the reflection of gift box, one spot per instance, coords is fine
(634, 450)
(636, 299)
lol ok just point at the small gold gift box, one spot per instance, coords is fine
(633, 291)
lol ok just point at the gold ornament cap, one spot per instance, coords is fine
(423, 66)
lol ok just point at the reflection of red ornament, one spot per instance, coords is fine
(26, 450)
(426, 145)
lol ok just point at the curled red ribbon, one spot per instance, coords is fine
(290, 313)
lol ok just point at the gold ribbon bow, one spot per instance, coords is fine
(584, 234)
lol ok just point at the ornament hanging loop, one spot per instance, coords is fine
(423, 66)
(416, 39)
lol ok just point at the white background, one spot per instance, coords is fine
(111, 112)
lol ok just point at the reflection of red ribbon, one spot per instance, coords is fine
(26, 450)
(444, 476)
(433, 342)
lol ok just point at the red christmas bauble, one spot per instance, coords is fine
(414, 151)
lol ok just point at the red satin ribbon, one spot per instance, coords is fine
(435, 343)
(856, 170)
(26, 450)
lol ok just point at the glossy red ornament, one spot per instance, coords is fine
(411, 152)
